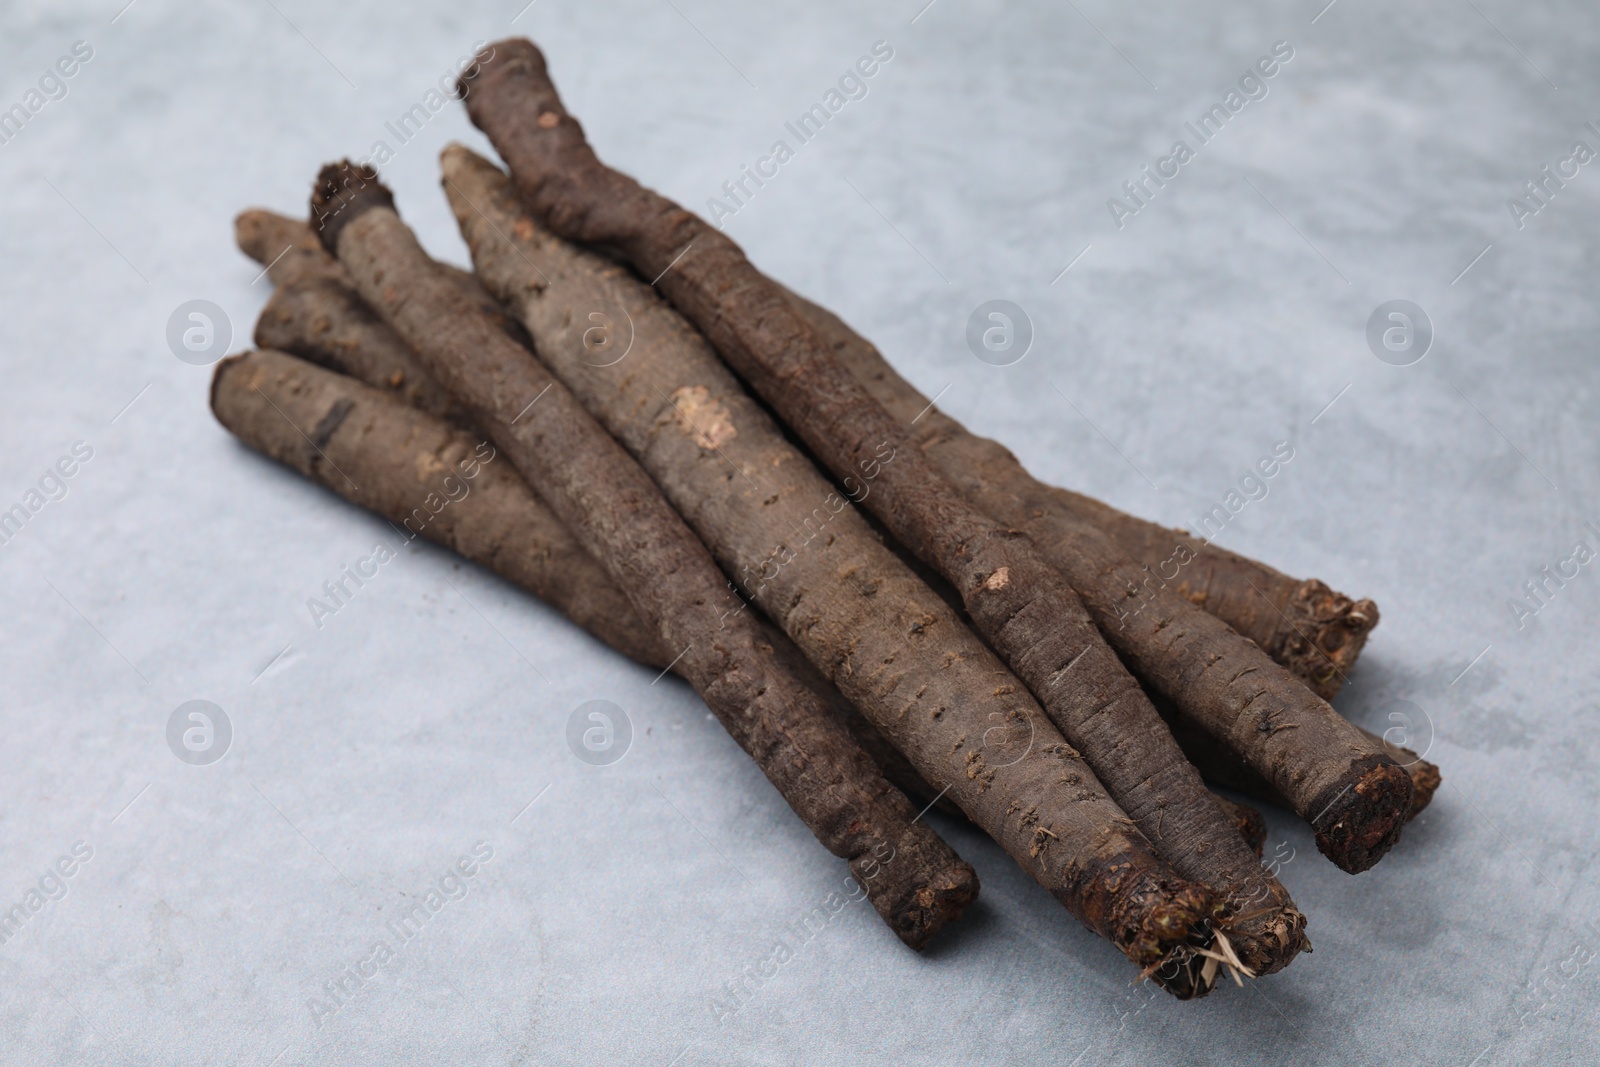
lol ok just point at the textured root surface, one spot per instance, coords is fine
(1219, 765)
(1305, 626)
(1324, 634)
(860, 615)
(781, 718)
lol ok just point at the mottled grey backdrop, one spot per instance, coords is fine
(421, 721)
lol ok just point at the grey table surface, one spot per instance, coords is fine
(217, 903)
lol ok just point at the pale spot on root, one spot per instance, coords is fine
(998, 580)
(428, 464)
(703, 417)
(523, 228)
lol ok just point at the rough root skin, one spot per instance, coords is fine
(1251, 823)
(1324, 636)
(1041, 814)
(1221, 766)
(780, 717)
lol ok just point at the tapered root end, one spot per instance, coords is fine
(514, 55)
(342, 194)
(1363, 822)
(250, 229)
(456, 158)
(920, 887)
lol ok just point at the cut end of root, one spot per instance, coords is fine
(1362, 822)
(343, 193)
(1172, 934)
(1266, 940)
(1236, 950)
(920, 888)
(1328, 633)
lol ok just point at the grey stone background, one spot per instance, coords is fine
(429, 715)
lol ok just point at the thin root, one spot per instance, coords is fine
(1228, 958)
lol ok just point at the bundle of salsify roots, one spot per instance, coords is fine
(620, 414)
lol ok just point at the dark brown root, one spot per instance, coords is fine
(1362, 822)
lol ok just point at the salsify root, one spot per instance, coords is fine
(1219, 765)
(1019, 602)
(389, 456)
(316, 314)
(778, 715)
(1354, 797)
(754, 499)
(1304, 625)
(613, 506)
(577, 587)
(428, 478)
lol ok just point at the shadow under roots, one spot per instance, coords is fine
(978, 926)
